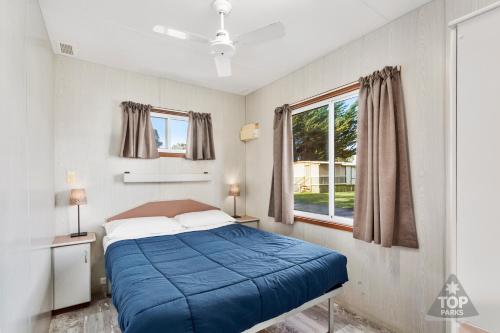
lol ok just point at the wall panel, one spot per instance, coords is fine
(27, 185)
(396, 286)
(88, 127)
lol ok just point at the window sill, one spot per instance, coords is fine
(327, 224)
(172, 155)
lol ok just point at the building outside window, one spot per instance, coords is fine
(324, 137)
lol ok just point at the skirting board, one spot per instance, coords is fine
(167, 178)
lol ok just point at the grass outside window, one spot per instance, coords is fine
(342, 199)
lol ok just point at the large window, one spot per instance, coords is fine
(170, 132)
(324, 139)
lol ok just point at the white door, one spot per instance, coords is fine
(478, 165)
(71, 275)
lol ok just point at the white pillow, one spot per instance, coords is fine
(205, 218)
(142, 226)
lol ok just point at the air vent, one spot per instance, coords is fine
(66, 49)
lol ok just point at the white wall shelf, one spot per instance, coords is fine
(166, 178)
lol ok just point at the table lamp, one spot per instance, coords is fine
(78, 197)
(234, 190)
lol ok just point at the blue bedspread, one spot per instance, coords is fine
(221, 280)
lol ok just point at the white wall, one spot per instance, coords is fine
(88, 127)
(396, 286)
(26, 188)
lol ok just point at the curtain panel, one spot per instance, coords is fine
(383, 211)
(200, 141)
(281, 200)
(138, 140)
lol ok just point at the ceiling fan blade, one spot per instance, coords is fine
(269, 32)
(197, 38)
(162, 30)
(223, 66)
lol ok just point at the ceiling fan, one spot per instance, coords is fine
(222, 47)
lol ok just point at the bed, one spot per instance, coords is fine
(221, 277)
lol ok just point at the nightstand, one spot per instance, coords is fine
(249, 221)
(71, 270)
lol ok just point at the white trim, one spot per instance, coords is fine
(174, 151)
(167, 117)
(451, 180)
(311, 107)
(331, 155)
(301, 308)
(478, 12)
(330, 103)
(326, 102)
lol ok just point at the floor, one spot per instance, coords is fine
(101, 317)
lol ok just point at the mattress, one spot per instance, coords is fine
(226, 279)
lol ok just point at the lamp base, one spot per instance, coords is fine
(236, 216)
(79, 234)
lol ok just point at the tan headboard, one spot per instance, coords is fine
(163, 208)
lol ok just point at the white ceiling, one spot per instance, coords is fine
(118, 33)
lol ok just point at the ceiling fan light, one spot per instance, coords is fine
(159, 29)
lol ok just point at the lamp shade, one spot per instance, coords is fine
(77, 196)
(234, 190)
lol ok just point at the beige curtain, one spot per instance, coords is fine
(138, 140)
(281, 201)
(383, 211)
(200, 140)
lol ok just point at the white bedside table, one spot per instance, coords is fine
(71, 270)
(249, 221)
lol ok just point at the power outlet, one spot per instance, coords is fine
(102, 280)
(71, 177)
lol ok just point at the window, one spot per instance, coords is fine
(324, 140)
(170, 133)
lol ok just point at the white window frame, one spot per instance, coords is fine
(167, 117)
(331, 153)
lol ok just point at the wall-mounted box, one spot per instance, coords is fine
(249, 132)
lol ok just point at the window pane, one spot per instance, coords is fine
(310, 143)
(346, 121)
(159, 126)
(178, 135)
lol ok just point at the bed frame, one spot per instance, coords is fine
(176, 207)
(331, 310)
(163, 208)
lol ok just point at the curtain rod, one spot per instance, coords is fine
(158, 108)
(168, 109)
(331, 91)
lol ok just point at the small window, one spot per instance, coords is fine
(324, 139)
(170, 132)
